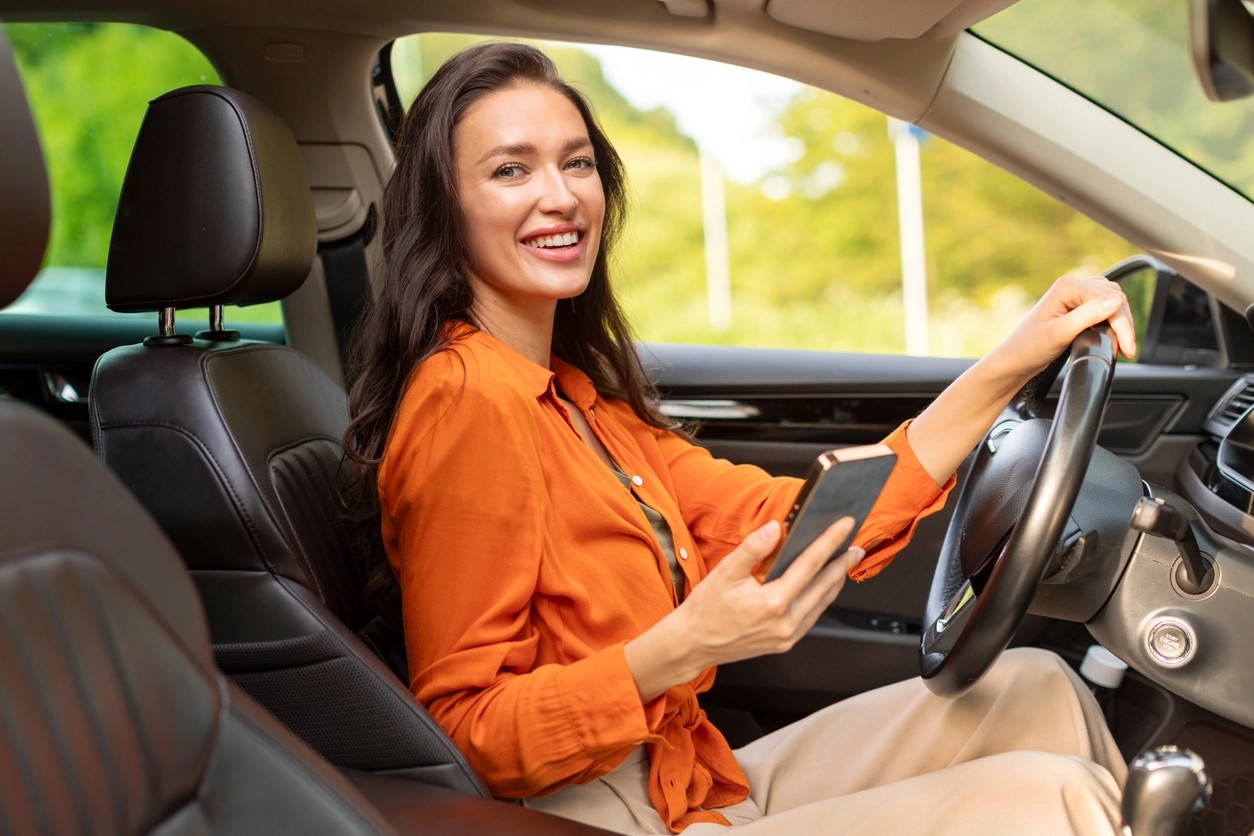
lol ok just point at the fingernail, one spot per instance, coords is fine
(770, 531)
(858, 554)
(1111, 302)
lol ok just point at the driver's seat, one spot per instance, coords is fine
(234, 445)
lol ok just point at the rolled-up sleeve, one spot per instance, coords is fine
(722, 503)
(909, 495)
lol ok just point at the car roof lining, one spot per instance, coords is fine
(861, 20)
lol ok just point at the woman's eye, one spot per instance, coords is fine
(509, 171)
(582, 164)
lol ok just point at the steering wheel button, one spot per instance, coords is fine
(1171, 642)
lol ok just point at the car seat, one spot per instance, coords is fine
(114, 718)
(24, 213)
(234, 445)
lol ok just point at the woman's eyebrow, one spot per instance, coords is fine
(521, 149)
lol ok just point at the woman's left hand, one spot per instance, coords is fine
(1067, 308)
(945, 432)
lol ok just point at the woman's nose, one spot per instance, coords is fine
(557, 195)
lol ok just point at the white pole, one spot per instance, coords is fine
(910, 227)
(717, 260)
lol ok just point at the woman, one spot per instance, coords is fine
(572, 570)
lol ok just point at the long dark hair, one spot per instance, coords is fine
(426, 287)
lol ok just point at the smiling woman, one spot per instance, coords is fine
(535, 562)
(578, 570)
(529, 188)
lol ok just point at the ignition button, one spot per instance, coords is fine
(1171, 642)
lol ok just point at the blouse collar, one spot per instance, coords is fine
(537, 381)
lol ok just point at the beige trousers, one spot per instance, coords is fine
(1026, 751)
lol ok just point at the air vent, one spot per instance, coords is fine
(1232, 406)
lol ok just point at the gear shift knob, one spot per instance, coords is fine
(1164, 784)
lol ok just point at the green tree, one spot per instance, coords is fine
(994, 243)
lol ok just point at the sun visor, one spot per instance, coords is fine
(876, 20)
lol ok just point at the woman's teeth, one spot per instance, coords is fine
(565, 239)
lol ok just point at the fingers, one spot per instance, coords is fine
(802, 571)
(739, 617)
(819, 594)
(752, 550)
(1092, 300)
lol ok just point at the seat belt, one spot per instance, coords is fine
(344, 263)
(347, 277)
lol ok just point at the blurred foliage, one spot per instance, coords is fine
(87, 130)
(87, 127)
(813, 245)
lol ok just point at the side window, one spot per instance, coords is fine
(87, 130)
(779, 221)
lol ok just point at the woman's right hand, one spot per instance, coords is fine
(731, 616)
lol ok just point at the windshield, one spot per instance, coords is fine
(1132, 58)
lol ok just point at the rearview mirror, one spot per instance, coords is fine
(1222, 43)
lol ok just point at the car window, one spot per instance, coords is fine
(87, 131)
(1134, 59)
(776, 223)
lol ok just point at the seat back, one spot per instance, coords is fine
(114, 718)
(234, 445)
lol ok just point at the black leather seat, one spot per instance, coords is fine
(234, 445)
(114, 718)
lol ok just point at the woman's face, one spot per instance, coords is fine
(531, 200)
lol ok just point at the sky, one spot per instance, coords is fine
(726, 109)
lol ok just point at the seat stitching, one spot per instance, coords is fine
(20, 754)
(241, 511)
(90, 707)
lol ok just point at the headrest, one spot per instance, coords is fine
(24, 212)
(215, 208)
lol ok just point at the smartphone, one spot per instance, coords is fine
(841, 483)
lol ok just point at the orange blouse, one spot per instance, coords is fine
(525, 567)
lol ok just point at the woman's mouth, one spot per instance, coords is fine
(559, 241)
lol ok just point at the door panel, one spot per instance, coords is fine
(779, 409)
(48, 360)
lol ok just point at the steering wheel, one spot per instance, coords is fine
(1010, 517)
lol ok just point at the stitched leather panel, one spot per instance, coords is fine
(191, 430)
(306, 482)
(375, 731)
(91, 679)
(112, 716)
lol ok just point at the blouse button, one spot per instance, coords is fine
(637, 481)
(683, 554)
